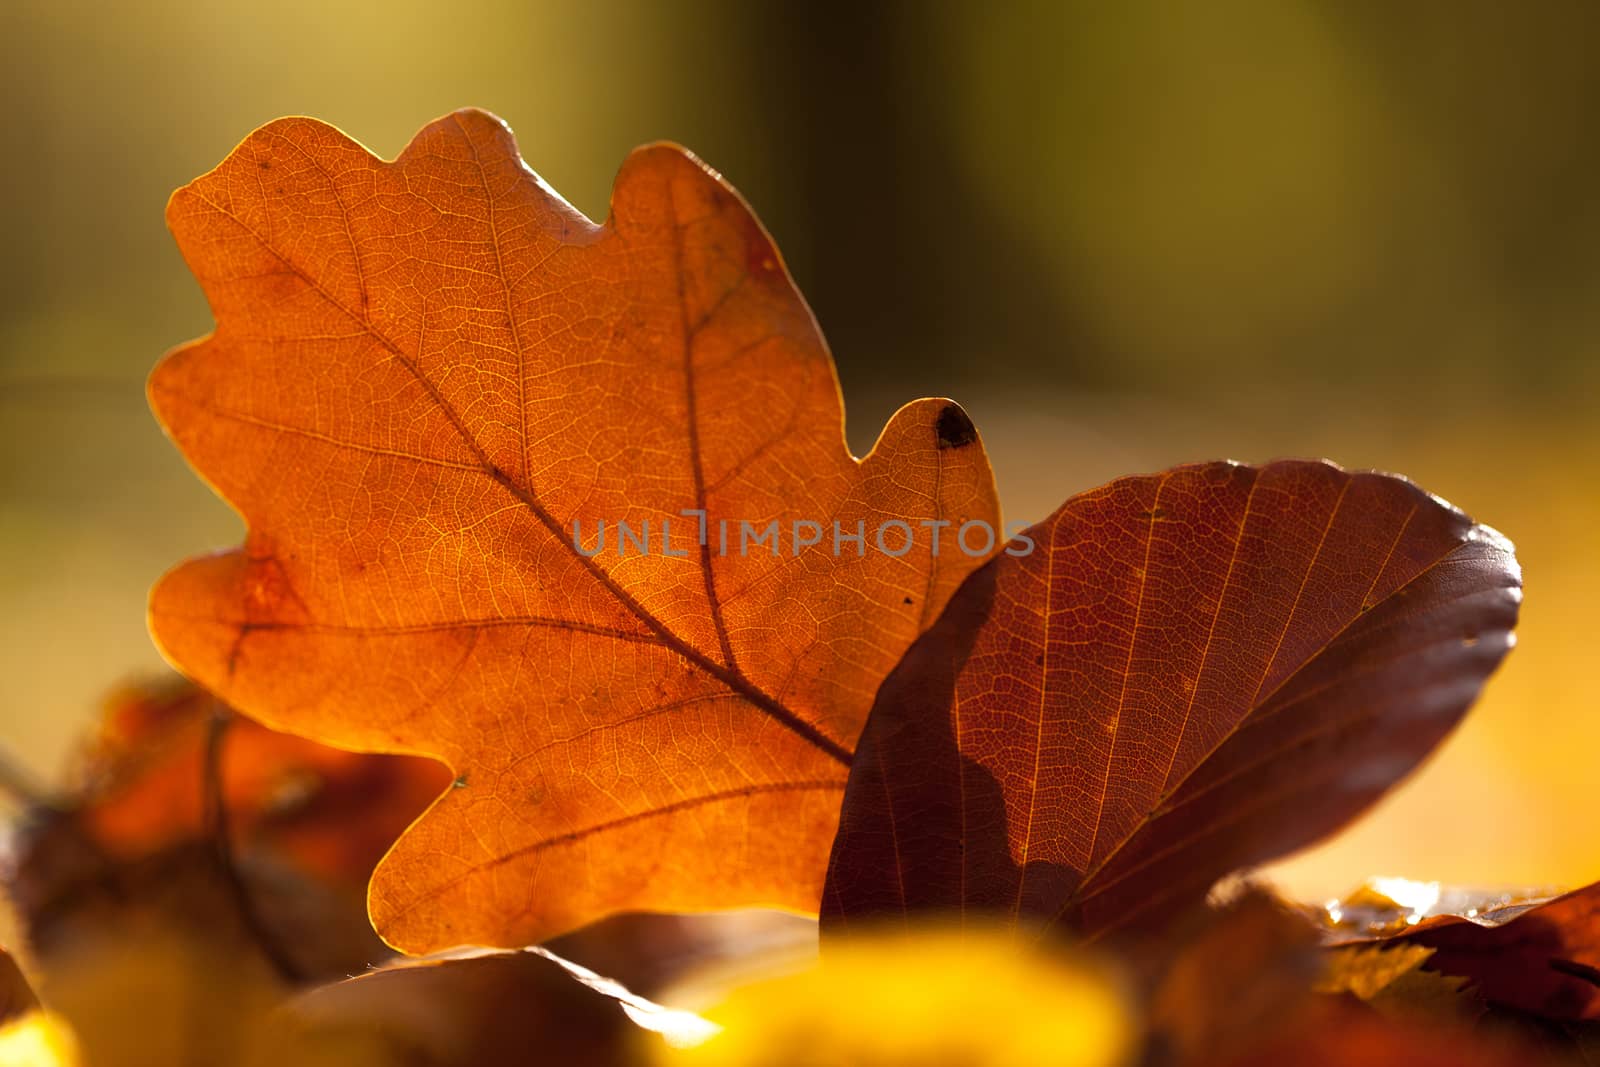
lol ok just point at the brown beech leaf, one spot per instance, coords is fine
(1194, 672)
(424, 374)
(1540, 957)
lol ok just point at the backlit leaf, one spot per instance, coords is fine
(424, 374)
(1195, 672)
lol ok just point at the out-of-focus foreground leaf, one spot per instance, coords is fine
(933, 996)
(37, 1039)
(1241, 975)
(1196, 671)
(424, 374)
(183, 817)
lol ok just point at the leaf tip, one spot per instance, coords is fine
(954, 428)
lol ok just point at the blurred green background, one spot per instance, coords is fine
(1125, 235)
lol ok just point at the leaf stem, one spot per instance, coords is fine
(216, 809)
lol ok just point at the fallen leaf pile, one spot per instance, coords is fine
(565, 613)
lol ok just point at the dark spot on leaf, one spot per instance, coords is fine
(459, 783)
(954, 428)
(265, 164)
(1154, 515)
(907, 600)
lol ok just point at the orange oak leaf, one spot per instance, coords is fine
(1195, 672)
(428, 377)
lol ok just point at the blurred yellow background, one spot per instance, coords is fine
(1125, 235)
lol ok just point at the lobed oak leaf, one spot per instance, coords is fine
(425, 372)
(1197, 671)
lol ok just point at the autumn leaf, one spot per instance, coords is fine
(473, 1008)
(136, 993)
(1341, 1034)
(1393, 981)
(1252, 986)
(187, 826)
(146, 915)
(648, 952)
(170, 777)
(427, 377)
(16, 995)
(142, 785)
(938, 995)
(1386, 905)
(1194, 672)
(38, 1039)
(1541, 957)
(1248, 966)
